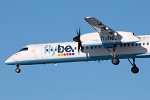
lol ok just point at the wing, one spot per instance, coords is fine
(99, 26)
(108, 37)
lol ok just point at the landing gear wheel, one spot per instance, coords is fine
(18, 70)
(135, 70)
(115, 61)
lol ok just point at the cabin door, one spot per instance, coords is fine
(39, 52)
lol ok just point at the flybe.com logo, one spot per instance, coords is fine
(108, 38)
(61, 50)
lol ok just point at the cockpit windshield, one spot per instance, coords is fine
(24, 49)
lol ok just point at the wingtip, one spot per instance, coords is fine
(87, 17)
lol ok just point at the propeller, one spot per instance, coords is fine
(77, 39)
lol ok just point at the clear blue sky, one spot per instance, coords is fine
(24, 22)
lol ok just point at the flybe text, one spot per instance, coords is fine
(61, 50)
(108, 38)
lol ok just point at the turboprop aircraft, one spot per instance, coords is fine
(104, 44)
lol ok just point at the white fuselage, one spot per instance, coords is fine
(68, 52)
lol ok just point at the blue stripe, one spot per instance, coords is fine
(61, 60)
(93, 44)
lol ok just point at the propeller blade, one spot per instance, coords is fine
(77, 39)
(77, 32)
(78, 47)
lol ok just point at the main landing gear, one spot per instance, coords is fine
(115, 60)
(134, 69)
(17, 69)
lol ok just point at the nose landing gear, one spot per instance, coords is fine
(17, 69)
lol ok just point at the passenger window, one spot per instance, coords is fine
(143, 43)
(136, 44)
(120, 45)
(132, 44)
(75, 48)
(128, 45)
(99, 46)
(124, 45)
(139, 44)
(87, 47)
(91, 47)
(95, 47)
(147, 43)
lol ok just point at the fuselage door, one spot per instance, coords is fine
(39, 52)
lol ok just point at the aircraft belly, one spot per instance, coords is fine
(77, 59)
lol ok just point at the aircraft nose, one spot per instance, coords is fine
(9, 61)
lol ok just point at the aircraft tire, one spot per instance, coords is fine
(135, 70)
(115, 61)
(18, 70)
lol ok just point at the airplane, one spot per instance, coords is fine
(104, 44)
